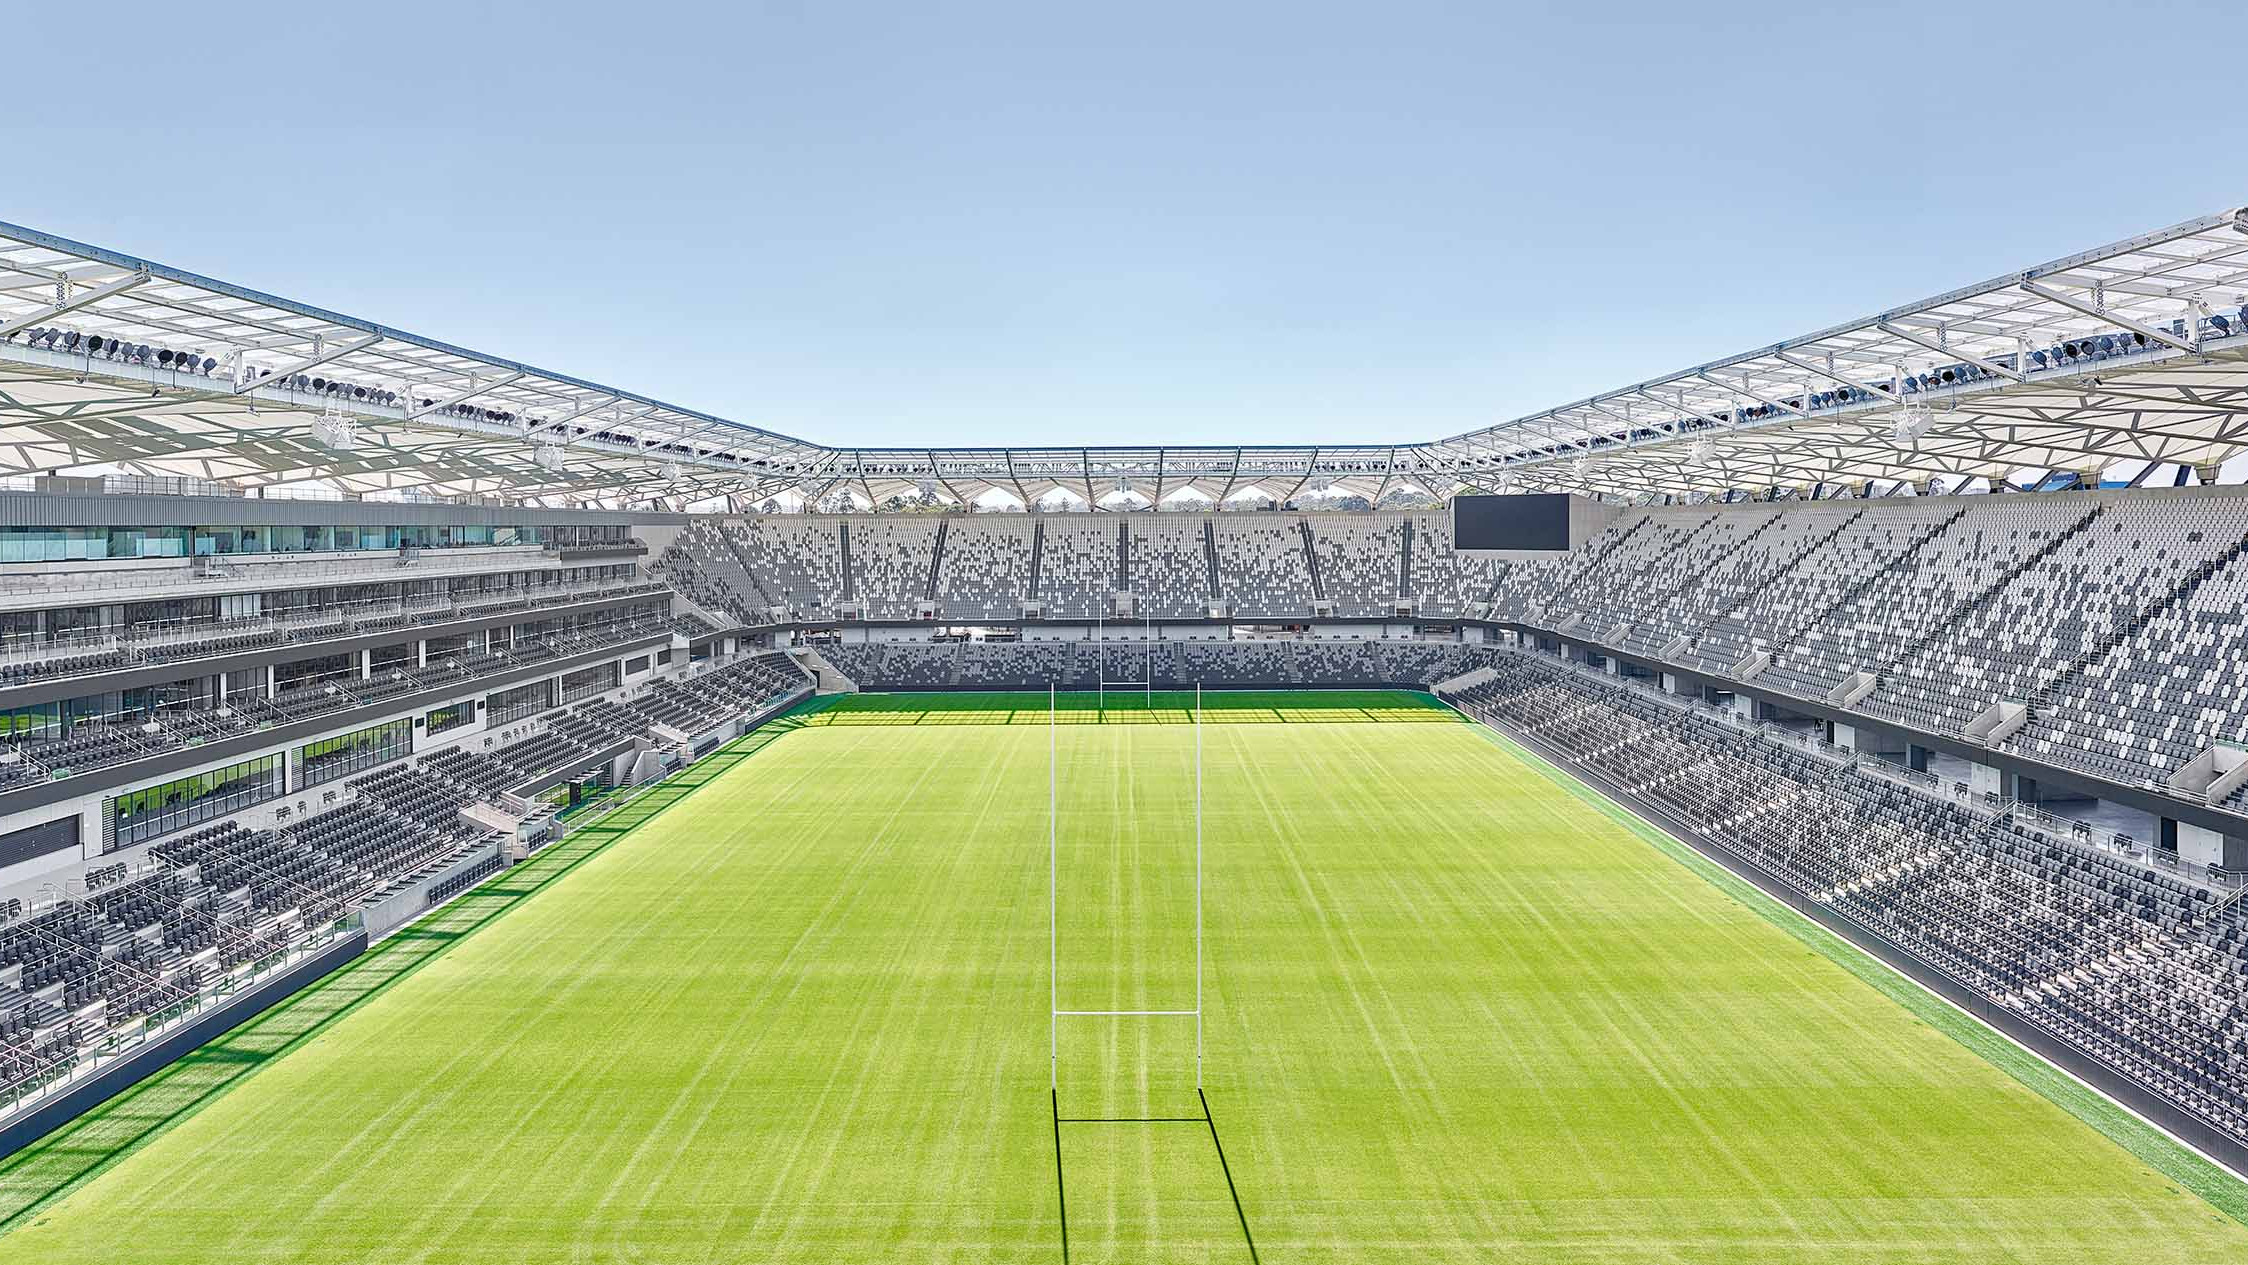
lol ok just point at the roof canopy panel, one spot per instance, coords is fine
(2136, 351)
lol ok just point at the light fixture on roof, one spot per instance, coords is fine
(335, 431)
(1911, 423)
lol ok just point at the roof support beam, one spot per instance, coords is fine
(1912, 336)
(943, 482)
(469, 394)
(2098, 312)
(1685, 411)
(1830, 375)
(1743, 387)
(280, 377)
(75, 302)
(581, 411)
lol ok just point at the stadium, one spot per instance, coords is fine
(454, 810)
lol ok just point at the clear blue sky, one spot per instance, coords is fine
(1146, 223)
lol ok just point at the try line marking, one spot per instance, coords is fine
(1061, 1189)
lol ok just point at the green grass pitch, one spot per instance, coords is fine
(1455, 1011)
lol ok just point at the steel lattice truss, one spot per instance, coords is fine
(2134, 352)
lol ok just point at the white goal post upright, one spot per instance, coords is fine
(1147, 658)
(1053, 903)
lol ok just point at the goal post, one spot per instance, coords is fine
(1057, 1010)
(1101, 678)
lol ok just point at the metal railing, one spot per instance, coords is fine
(26, 1093)
(145, 643)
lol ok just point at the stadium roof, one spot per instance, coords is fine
(2135, 352)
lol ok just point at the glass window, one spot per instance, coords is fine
(331, 758)
(182, 802)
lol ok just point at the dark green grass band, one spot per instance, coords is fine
(2158, 1150)
(90, 1145)
(1131, 706)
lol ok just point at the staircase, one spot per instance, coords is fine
(1940, 627)
(2068, 677)
(1821, 541)
(1693, 579)
(1602, 556)
(1037, 554)
(1405, 563)
(1684, 543)
(1124, 555)
(843, 534)
(1311, 559)
(1855, 591)
(1210, 554)
(741, 559)
(936, 561)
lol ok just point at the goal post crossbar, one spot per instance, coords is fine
(1147, 653)
(1053, 901)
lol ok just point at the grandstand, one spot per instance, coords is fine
(1842, 852)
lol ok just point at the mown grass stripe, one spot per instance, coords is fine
(84, 1148)
(2165, 1154)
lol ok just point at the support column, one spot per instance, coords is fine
(366, 665)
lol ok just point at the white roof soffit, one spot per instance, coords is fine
(2131, 352)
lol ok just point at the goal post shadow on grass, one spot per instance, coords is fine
(1057, 1012)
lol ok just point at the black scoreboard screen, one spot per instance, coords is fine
(1536, 521)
